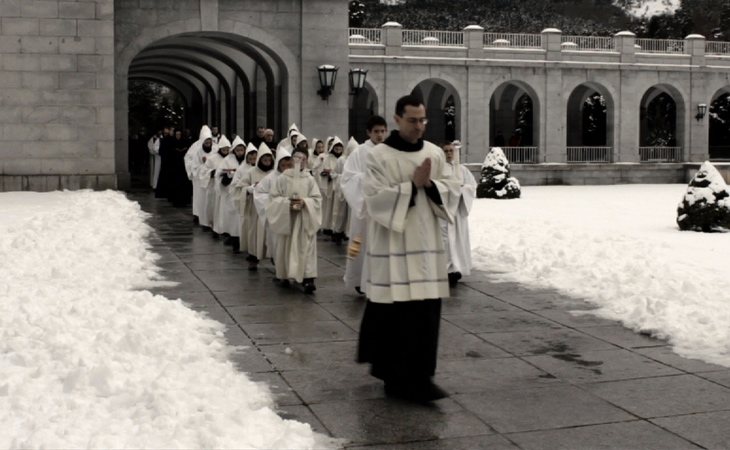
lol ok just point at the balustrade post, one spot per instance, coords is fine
(392, 36)
(474, 41)
(694, 45)
(625, 42)
(551, 44)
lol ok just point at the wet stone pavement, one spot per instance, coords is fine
(521, 370)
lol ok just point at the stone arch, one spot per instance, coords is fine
(443, 108)
(662, 112)
(285, 80)
(718, 115)
(514, 105)
(590, 115)
(362, 106)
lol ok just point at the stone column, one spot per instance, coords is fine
(551, 44)
(697, 135)
(392, 36)
(554, 117)
(694, 45)
(625, 42)
(474, 41)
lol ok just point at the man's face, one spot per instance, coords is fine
(269, 136)
(166, 131)
(251, 158)
(449, 152)
(215, 131)
(337, 149)
(178, 135)
(260, 132)
(207, 145)
(378, 134)
(412, 124)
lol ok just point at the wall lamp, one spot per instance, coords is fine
(357, 80)
(701, 111)
(327, 78)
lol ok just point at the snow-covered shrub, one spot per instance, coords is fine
(496, 181)
(706, 205)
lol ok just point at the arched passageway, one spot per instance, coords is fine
(443, 107)
(719, 116)
(363, 105)
(590, 122)
(223, 79)
(514, 112)
(660, 131)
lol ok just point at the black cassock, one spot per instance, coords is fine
(180, 189)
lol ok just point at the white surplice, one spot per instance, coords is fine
(153, 146)
(251, 232)
(456, 234)
(296, 230)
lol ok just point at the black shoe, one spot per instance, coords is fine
(228, 239)
(327, 232)
(357, 289)
(308, 285)
(204, 228)
(195, 220)
(216, 235)
(454, 278)
(419, 393)
(337, 238)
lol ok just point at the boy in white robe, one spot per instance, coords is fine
(261, 198)
(153, 146)
(294, 214)
(195, 158)
(251, 231)
(287, 143)
(329, 175)
(405, 193)
(352, 187)
(456, 234)
(206, 175)
(227, 220)
(340, 208)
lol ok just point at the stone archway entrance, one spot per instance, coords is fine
(590, 125)
(443, 107)
(514, 119)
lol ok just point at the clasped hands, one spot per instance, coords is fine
(422, 174)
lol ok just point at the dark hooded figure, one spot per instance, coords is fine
(181, 189)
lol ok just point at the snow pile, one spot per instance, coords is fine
(495, 181)
(706, 205)
(616, 247)
(649, 8)
(86, 361)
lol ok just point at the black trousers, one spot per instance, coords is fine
(400, 340)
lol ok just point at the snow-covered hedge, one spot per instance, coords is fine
(496, 181)
(706, 205)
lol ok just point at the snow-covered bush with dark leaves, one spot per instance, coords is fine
(496, 181)
(706, 205)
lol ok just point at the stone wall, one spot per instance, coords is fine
(56, 94)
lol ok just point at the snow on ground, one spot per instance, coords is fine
(619, 248)
(90, 360)
(650, 8)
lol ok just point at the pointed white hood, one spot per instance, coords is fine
(281, 154)
(292, 127)
(251, 148)
(224, 142)
(300, 137)
(263, 150)
(236, 142)
(335, 141)
(351, 146)
(205, 133)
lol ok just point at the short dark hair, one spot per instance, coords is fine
(300, 150)
(407, 100)
(374, 121)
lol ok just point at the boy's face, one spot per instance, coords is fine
(240, 150)
(251, 159)
(285, 163)
(224, 150)
(319, 147)
(449, 152)
(337, 149)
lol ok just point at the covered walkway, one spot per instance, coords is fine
(521, 370)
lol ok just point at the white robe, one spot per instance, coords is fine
(194, 158)
(456, 235)
(227, 219)
(153, 145)
(351, 183)
(327, 188)
(207, 188)
(340, 209)
(261, 197)
(250, 233)
(405, 257)
(296, 231)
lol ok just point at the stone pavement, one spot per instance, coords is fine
(522, 371)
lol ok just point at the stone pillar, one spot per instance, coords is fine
(209, 15)
(476, 139)
(694, 45)
(626, 147)
(553, 114)
(392, 36)
(551, 44)
(625, 42)
(474, 41)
